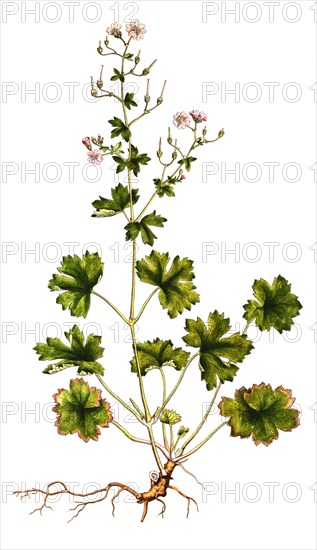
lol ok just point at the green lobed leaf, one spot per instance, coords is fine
(166, 189)
(134, 228)
(79, 354)
(275, 306)
(182, 432)
(158, 354)
(260, 411)
(133, 163)
(119, 129)
(187, 162)
(214, 348)
(119, 202)
(81, 410)
(177, 292)
(136, 160)
(79, 276)
(129, 101)
(170, 417)
(117, 76)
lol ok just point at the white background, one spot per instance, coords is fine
(234, 213)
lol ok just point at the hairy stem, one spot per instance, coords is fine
(133, 287)
(201, 424)
(145, 304)
(170, 395)
(164, 399)
(115, 396)
(137, 439)
(123, 317)
(192, 451)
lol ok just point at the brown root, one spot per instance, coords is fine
(158, 489)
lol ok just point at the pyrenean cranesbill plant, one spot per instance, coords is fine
(259, 411)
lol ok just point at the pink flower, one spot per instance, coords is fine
(135, 29)
(95, 157)
(181, 120)
(198, 116)
(114, 29)
(183, 177)
(86, 142)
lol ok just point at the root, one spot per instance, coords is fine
(185, 496)
(79, 505)
(158, 489)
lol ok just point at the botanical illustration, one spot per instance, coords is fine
(84, 408)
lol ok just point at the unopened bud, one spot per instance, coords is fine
(86, 142)
(221, 133)
(159, 100)
(106, 42)
(174, 155)
(145, 72)
(159, 152)
(204, 131)
(147, 99)
(99, 49)
(137, 59)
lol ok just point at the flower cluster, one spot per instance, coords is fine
(135, 29)
(182, 119)
(94, 156)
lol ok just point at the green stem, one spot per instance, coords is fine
(164, 398)
(133, 286)
(142, 392)
(154, 448)
(171, 439)
(152, 198)
(136, 407)
(165, 181)
(145, 304)
(201, 424)
(158, 413)
(146, 206)
(111, 305)
(147, 112)
(202, 442)
(137, 439)
(115, 396)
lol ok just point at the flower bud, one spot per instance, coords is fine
(169, 137)
(204, 131)
(145, 72)
(86, 142)
(147, 99)
(174, 155)
(159, 100)
(159, 153)
(137, 59)
(106, 42)
(99, 49)
(221, 133)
